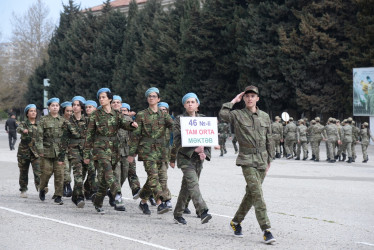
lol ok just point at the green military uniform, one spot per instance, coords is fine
(223, 133)
(191, 165)
(149, 143)
(102, 141)
(27, 153)
(355, 139)
(301, 135)
(48, 143)
(75, 153)
(277, 130)
(346, 133)
(256, 151)
(365, 140)
(332, 135)
(316, 136)
(290, 138)
(125, 169)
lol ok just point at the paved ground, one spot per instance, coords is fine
(310, 205)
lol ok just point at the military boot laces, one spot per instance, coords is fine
(237, 229)
(268, 237)
(180, 220)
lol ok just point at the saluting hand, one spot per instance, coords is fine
(238, 98)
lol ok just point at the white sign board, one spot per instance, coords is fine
(285, 116)
(199, 131)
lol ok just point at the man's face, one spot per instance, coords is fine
(77, 107)
(250, 99)
(163, 109)
(54, 107)
(90, 109)
(191, 105)
(124, 111)
(153, 98)
(116, 105)
(103, 99)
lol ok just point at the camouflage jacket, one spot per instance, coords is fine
(101, 135)
(223, 130)
(316, 132)
(290, 131)
(184, 155)
(356, 133)
(27, 146)
(347, 132)
(253, 131)
(72, 140)
(124, 139)
(277, 130)
(331, 132)
(149, 138)
(365, 136)
(301, 133)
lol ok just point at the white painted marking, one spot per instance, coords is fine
(86, 228)
(365, 243)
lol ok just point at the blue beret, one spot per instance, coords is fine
(54, 99)
(78, 98)
(30, 106)
(151, 90)
(188, 96)
(90, 102)
(102, 90)
(125, 105)
(66, 104)
(117, 97)
(163, 104)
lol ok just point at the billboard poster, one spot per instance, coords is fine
(363, 92)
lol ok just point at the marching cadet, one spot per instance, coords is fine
(355, 140)
(277, 130)
(253, 130)
(346, 132)
(67, 111)
(27, 153)
(48, 146)
(74, 146)
(190, 160)
(223, 133)
(316, 136)
(301, 135)
(365, 140)
(149, 138)
(290, 137)
(332, 136)
(101, 139)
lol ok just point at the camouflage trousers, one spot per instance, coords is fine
(67, 171)
(24, 165)
(222, 143)
(347, 146)
(106, 179)
(288, 145)
(364, 147)
(315, 148)
(331, 144)
(152, 186)
(163, 178)
(126, 170)
(354, 155)
(78, 165)
(50, 166)
(276, 138)
(304, 146)
(89, 173)
(190, 189)
(253, 197)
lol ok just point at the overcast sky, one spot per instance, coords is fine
(20, 6)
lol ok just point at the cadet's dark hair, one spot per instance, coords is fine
(109, 95)
(83, 107)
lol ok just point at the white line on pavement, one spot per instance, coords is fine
(365, 243)
(86, 228)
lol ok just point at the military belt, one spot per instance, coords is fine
(251, 150)
(107, 138)
(153, 140)
(53, 139)
(76, 141)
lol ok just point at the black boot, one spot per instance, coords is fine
(65, 191)
(336, 157)
(297, 158)
(313, 158)
(344, 156)
(69, 191)
(349, 160)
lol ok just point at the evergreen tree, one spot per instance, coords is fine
(35, 86)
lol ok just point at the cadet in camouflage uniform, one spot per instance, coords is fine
(101, 139)
(365, 140)
(48, 140)
(223, 133)
(290, 137)
(75, 149)
(277, 130)
(340, 147)
(148, 143)
(67, 111)
(190, 160)
(355, 138)
(253, 130)
(332, 136)
(347, 138)
(27, 152)
(301, 135)
(316, 136)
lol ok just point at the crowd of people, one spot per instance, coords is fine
(99, 144)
